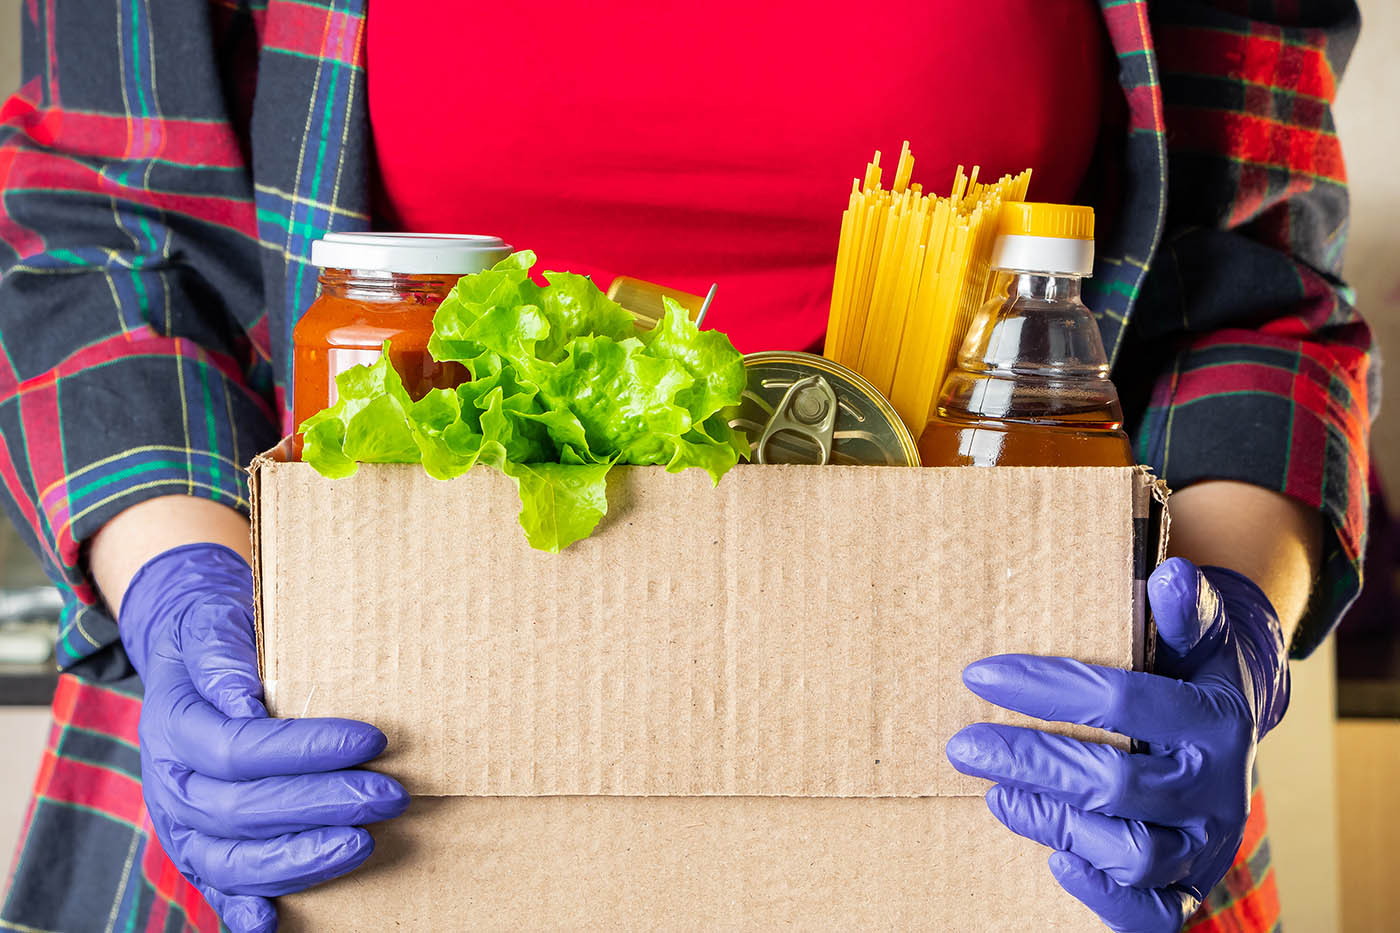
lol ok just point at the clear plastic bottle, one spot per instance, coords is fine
(1031, 385)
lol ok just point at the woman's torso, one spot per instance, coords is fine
(690, 144)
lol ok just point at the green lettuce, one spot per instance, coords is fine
(563, 387)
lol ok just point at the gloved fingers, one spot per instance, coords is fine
(221, 656)
(1189, 614)
(274, 806)
(204, 740)
(1123, 909)
(276, 866)
(1128, 851)
(1152, 788)
(241, 913)
(1142, 706)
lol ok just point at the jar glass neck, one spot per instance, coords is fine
(1044, 286)
(388, 287)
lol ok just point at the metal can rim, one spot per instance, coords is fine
(831, 367)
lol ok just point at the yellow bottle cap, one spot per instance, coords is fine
(1061, 221)
(1053, 239)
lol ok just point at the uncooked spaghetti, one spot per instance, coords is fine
(910, 270)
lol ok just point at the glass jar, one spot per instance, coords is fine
(376, 287)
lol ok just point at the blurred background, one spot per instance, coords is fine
(1331, 770)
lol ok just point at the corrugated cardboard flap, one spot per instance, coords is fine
(797, 631)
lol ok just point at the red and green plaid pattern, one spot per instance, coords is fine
(135, 358)
(155, 228)
(1261, 367)
(1237, 348)
(98, 867)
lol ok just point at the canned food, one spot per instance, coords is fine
(645, 300)
(803, 408)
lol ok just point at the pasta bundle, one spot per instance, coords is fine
(910, 270)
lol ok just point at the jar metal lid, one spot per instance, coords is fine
(410, 253)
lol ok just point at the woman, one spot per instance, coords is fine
(158, 212)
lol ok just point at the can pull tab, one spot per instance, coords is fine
(808, 409)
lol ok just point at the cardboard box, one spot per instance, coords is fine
(726, 709)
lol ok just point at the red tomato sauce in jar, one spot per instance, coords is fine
(376, 287)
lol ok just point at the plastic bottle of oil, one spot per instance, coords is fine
(1031, 383)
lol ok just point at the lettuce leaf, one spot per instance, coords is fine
(559, 503)
(563, 387)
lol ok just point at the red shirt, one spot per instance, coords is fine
(691, 143)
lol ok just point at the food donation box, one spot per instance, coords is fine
(726, 709)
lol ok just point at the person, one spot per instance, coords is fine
(160, 197)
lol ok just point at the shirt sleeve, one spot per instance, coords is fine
(1263, 368)
(135, 358)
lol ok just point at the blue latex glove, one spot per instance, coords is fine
(1141, 838)
(247, 807)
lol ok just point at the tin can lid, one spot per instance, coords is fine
(863, 428)
(410, 253)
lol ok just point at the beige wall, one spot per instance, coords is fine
(1298, 771)
(9, 44)
(23, 730)
(1369, 768)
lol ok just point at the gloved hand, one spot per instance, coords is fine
(247, 807)
(1140, 838)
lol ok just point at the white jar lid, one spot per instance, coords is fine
(410, 253)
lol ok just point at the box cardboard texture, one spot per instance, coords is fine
(726, 709)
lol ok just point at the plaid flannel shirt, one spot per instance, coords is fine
(157, 207)
(157, 217)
